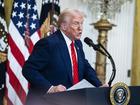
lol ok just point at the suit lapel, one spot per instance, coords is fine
(65, 56)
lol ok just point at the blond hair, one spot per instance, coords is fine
(68, 13)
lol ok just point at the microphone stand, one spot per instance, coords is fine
(106, 53)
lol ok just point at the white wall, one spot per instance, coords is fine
(120, 42)
(119, 38)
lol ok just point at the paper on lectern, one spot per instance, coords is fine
(82, 84)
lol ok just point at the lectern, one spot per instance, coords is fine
(86, 96)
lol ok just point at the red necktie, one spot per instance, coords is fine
(75, 65)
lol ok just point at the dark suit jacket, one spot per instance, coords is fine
(50, 64)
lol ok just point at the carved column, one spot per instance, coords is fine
(103, 26)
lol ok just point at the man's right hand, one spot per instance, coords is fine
(58, 88)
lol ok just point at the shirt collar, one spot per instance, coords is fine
(68, 41)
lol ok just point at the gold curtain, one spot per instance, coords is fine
(135, 75)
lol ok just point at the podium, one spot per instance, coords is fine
(86, 96)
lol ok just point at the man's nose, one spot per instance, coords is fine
(80, 26)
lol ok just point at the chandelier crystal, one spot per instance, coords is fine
(105, 8)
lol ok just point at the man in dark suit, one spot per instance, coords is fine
(54, 65)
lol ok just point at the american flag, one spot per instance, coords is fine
(23, 34)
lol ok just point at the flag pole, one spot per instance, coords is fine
(27, 28)
(52, 13)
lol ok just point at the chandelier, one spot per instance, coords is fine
(105, 8)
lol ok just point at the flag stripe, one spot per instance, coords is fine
(19, 41)
(35, 37)
(11, 95)
(9, 102)
(16, 52)
(31, 45)
(16, 85)
(16, 69)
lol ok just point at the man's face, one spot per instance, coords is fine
(75, 27)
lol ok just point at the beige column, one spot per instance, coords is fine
(135, 75)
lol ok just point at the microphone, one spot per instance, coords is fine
(89, 42)
(96, 47)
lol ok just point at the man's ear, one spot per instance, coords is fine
(64, 26)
